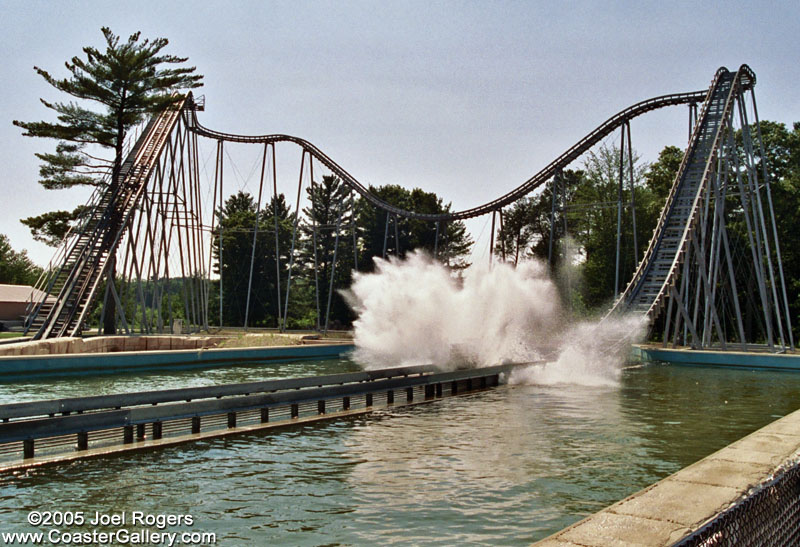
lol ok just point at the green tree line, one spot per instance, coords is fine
(585, 227)
(337, 235)
(15, 266)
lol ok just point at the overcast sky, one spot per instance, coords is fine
(465, 99)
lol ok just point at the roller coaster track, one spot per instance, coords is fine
(84, 260)
(657, 272)
(85, 256)
(525, 188)
(659, 268)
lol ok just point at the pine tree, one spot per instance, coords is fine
(130, 82)
(453, 245)
(235, 228)
(329, 227)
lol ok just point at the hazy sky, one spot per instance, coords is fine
(466, 99)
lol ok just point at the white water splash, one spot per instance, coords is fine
(415, 312)
(592, 354)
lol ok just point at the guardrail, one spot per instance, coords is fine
(67, 428)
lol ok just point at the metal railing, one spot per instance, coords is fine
(44, 284)
(64, 426)
(770, 515)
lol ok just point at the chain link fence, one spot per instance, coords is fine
(768, 516)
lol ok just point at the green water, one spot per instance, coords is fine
(504, 467)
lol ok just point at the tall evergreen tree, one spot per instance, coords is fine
(129, 84)
(596, 223)
(130, 81)
(328, 231)
(235, 228)
(454, 242)
(276, 269)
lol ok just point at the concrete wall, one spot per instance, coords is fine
(27, 367)
(750, 360)
(109, 344)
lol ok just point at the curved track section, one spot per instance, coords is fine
(656, 276)
(658, 271)
(525, 188)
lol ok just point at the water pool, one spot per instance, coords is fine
(503, 467)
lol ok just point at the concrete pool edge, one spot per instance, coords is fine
(14, 368)
(727, 359)
(672, 508)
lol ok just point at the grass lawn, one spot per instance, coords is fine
(10, 334)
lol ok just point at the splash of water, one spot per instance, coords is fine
(591, 354)
(414, 311)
